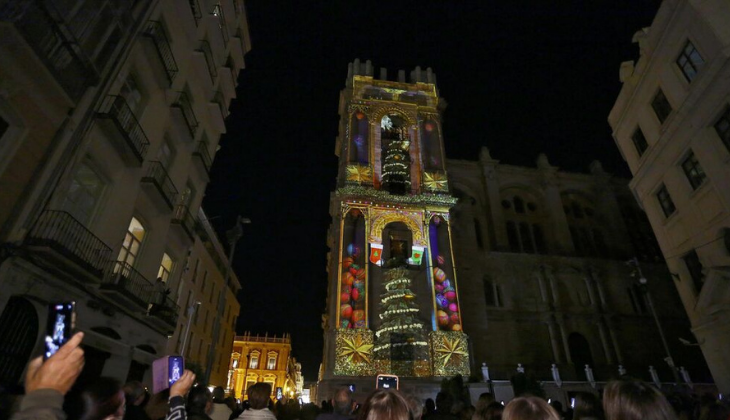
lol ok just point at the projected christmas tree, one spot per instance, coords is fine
(401, 335)
(396, 163)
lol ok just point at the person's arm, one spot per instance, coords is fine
(47, 382)
(178, 390)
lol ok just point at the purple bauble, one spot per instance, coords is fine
(453, 307)
(439, 287)
(441, 301)
(447, 283)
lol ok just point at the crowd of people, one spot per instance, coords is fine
(50, 395)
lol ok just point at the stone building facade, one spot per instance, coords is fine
(110, 116)
(671, 122)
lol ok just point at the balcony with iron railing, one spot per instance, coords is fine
(184, 220)
(45, 31)
(158, 184)
(165, 310)
(64, 241)
(202, 157)
(195, 10)
(185, 115)
(156, 33)
(204, 48)
(128, 137)
(127, 284)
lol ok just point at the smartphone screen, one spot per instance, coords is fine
(572, 403)
(387, 382)
(59, 327)
(175, 369)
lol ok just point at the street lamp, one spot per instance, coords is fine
(191, 310)
(233, 236)
(643, 286)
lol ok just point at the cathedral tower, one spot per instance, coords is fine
(393, 305)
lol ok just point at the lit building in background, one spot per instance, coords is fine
(256, 358)
(110, 117)
(202, 281)
(671, 122)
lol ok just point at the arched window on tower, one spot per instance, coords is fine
(586, 228)
(524, 219)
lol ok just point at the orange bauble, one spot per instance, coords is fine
(359, 115)
(360, 274)
(347, 278)
(456, 327)
(347, 262)
(346, 311)
(442, 318)
(358, 315)
(439, 275)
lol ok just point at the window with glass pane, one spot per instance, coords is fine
(665, 201)
(695, 175)
(132, 242)
(722, 127)
(661, 106)
(690, 61)
(639, 141)
(694, 266)
(254, 361)
(132, 94)
(166, 267)
(271, 365)
(83, 194)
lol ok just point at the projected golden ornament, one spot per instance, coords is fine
(355, 349)
(359, 173)
(450, 348)
(435, 181)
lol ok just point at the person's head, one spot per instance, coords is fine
(586, 405)
(557, 405)
(430, 406)
(635, 400)
(493, 412)
(715, 411)
(529, 408)
(385, 404)
(444, 402)
(259, 395)
(200, 400)
(102, 399)
(231, 403)
(157, 406)
(219, 394)
(342, 401)
(134, 392)
(485, 398)
(416, 406)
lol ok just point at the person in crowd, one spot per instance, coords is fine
(716, 411)
(47, 382)
(444, 404)
(102, 399)
(200, 403)
(309, 412)
(232, 405)
(467, 412)
(177, 393)
(429, 408)
(586, 407)
(385, 404)
(416, 407)
(157, 407)
(342, 405)
(493, 412)
(558, 407)
(221, 410)
(529, 408)
(258, 399)
(635, 400)
(483, 402)
(135, 395)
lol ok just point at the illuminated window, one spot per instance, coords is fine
(665, 201)
(83, 194)
(661, 106)
(132, 242)
(690, 61)
(271, 364)
(639, 141)
(722, 127)
(254, 363)
(166, 267)
(692, 169)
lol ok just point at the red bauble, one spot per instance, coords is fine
(442, 318)
(453, 307)
(356, 294)
(360, 274)
(450, 295)
(347, 279)
(359, 115)
(358, 315)
(439, 287)
(347, 262)
(355, 212)
(346, 311)
(454, 318)
(344, 297)
(353, 270)
(440, 260)
(429, 126)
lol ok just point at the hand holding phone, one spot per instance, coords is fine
(60, 371)
(181, 387)
(386, 382)
(59, 326)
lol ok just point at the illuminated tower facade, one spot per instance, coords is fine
(393, 305)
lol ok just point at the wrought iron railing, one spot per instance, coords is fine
(183, 102)
(185, 219)
(166, 309)
(116, 108)
(47, 33)
(157, 175)
(218, 13)
(125, 279)
(195, 9)
(208, 54)
(70, 238)
(201, 152)
(220, 100)
(156, 32)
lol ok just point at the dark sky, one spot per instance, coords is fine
(520, 77)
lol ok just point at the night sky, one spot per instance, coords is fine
(520, 77)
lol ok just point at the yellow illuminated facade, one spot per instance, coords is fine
(256, 358)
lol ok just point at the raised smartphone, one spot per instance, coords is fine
(59, 327)
(386, 382)
(166, 371)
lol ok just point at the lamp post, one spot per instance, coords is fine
(643, 286)
(191, 310)
(233, 236)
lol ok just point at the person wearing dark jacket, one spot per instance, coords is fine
(200, 403)
(342, 406)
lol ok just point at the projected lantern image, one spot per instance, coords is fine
(352, 276)
(448, 316)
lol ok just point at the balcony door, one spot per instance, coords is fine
(132, 243)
